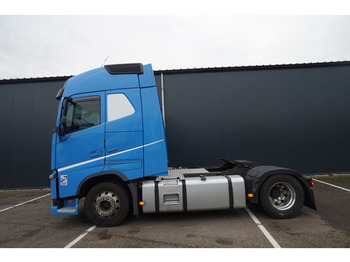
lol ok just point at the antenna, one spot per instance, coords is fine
(105, 61)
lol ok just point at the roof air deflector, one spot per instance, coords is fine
(125, 69)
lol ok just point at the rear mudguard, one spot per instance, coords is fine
(256, 176)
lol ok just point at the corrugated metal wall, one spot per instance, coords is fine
(297, 117)
(28, 112)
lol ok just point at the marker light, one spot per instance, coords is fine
(250, 195)
(70, 201)
(312, 183)
(141, 203)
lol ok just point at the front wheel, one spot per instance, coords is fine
(107, 204)
(282, 196)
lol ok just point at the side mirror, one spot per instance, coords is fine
(59, 94)
(61, 131)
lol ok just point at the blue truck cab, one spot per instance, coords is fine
(109, 147)
(109, 124)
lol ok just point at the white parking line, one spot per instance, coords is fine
(263, 229)
(79, 237)
(2, 210)
(331, 185)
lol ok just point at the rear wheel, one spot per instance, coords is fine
(282, 196)
(107, 204)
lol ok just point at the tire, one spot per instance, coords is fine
(282, 196)
(107, 204)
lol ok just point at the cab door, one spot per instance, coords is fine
(80, 147)
(124, 133)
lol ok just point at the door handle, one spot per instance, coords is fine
(95, 154)
(113, 150)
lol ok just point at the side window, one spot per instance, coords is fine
(80, 113)
(118, 106)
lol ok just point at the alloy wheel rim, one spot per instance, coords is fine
(282, 196)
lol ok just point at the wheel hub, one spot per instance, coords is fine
(282, 195)
(275, 193)
(106, 204)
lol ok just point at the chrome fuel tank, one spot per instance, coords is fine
(197, 192)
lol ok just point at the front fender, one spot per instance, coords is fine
(84, 184)
(256, 176)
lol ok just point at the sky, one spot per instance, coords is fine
(57, 45)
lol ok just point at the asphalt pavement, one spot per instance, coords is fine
(26, 222)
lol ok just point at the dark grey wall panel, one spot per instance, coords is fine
(6, 111)
(298, 118)
(158, 84)
(28, 113)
